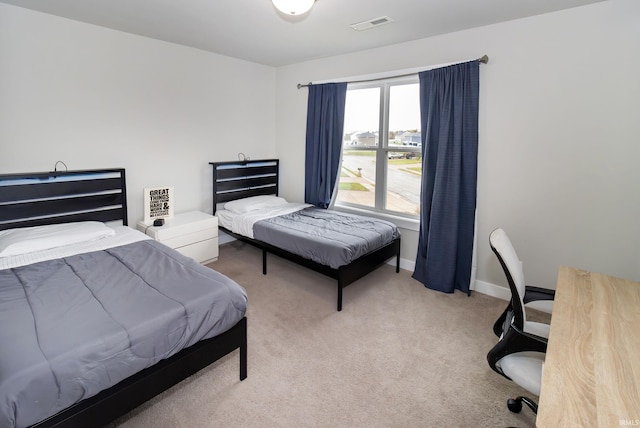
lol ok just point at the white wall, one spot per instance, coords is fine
(559, 134)
(98, 98)
(559, 131)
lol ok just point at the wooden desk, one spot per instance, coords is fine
(591, 375)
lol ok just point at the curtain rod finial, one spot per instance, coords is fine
(484, 59)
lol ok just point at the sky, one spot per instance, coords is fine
(363, 106)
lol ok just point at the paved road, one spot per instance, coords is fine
(402, 183)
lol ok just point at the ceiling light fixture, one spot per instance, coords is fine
(293, 7)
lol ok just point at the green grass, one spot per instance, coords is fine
(416, 161)
(353, 186)
(359, 153)
(344, 174)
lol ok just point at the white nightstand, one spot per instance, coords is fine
(193, 233)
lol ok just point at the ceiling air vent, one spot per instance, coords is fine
(375, 22)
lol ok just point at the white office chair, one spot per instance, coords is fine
(522, 296)
(519, 354)
(520, 366)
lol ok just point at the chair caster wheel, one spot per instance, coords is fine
(514, 405)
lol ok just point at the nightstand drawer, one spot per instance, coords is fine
(190, 238)
(193, 233)
(202, 252)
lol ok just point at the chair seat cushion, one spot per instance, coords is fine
(541, 305)
(537, 328)
(525, 369)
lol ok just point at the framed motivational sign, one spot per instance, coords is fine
(158, 203)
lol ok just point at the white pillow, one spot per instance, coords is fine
(252, 203)
(28, 239)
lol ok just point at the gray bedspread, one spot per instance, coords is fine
(328, 237)
(72, 327)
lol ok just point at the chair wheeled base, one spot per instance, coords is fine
(515, 404)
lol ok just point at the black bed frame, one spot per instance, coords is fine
(241, 179)
(60, 197)
(35, 199)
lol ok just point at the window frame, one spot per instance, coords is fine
(382, 150)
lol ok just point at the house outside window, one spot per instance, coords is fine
(381, 152)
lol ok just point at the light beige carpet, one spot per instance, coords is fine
(398, 355)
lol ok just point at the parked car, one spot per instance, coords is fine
(402, 155)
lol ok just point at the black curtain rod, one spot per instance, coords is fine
(483, 59)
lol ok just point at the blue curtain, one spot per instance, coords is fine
(449, 119)
(325, 126)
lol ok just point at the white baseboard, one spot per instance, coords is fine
(505, 294)
(480, 286)
(492, 290)
(404, 263)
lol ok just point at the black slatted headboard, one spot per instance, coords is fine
(241, 179)
(40, 198)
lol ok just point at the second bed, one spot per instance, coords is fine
(343, 246)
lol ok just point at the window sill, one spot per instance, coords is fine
(401, 222)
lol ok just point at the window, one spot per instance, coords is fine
(381, 150)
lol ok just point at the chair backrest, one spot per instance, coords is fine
(512, 266)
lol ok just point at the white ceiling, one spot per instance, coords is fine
(254, 31)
